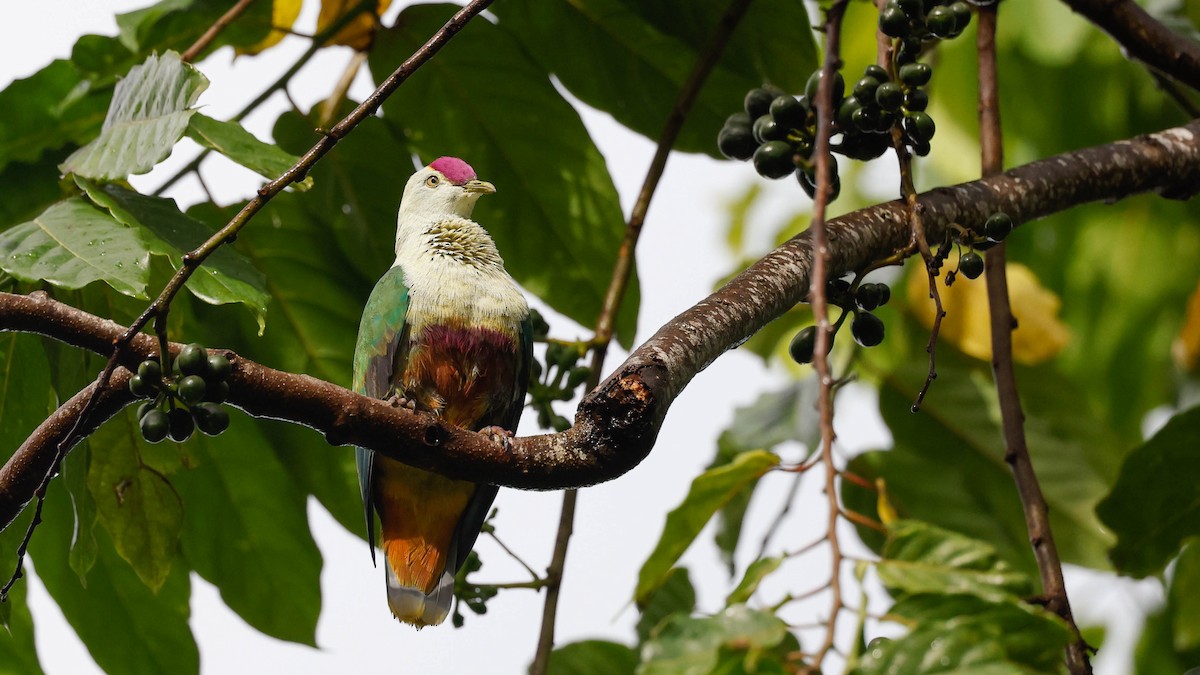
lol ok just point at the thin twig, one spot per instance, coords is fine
(192, 260)
(622, 272)
(1037, 517)
(797, 477)
(214, 30)
(824, 106)
(1173, 90)
(513, 555)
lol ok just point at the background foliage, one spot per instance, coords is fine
(128, 521)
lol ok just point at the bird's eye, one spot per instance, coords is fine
(432, 181)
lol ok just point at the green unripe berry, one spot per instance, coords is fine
(773, 159)
(180, 425)
(867, 329)
(865, 119)
(922, 149)
(141, 388)
(915, 74)
(919, 126)
(867, 297)
(864, 90)
(885, 294)
(971, 265)
(889, 96)
(893, 22)
(219, 368)
(145, 408)
(803, 345)
(814, 82)
(941, 22)
(739, 119)
(845, 112)
(877, 72)
(150, 371)
(758, 101)
(211, 419)
(192, 389)
(192, 360)
(788, 112)
(916, 99)
(808, 182)
(997, 226)
(864, 147)
(737, 142)
(767, 129)
(154, 426)
(962, 15)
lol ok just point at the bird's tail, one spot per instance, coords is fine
(412, 605)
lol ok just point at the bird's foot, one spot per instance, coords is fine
(398, 401)
(498, 434)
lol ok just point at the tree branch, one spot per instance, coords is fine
(617, 423)
(214, 30)
(1144, 38)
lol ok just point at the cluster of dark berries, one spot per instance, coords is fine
(916, 21)
(778, 132)
(993, 231)
(187, 400)
(858, 301)
(877, 103)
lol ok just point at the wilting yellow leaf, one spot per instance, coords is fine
(1039, 335)
(1186, 349)
(361, 29)
(283, 16)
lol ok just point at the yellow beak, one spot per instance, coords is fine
(480, 186)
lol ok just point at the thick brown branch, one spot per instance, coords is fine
(617, 423)
(1144, 38)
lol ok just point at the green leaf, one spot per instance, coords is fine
(317, 294)
(755, 573)
(676, 595)
(955, 444)
(556, 217)
(774, 418)
(691, 645)
(149, 112)
(33, 122)
(1184, 597)
(650, 49)
(30, 188)
(1027, 633)
(920, 558)
(246, 532)
(176, 24)
(136, 504)
(225, 277)
(83, 506)
(973, 637)
(1154, 506)
(709, 492)
(18, 654)
(127, 627)
(72, 244)
(233, 141)
(592, 657)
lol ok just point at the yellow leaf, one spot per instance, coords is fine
(283, 16)
(883, 506)
(1186, 348)
(361, 29)
(1039, 336)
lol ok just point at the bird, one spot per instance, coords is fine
(446, 331)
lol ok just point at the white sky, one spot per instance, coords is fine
(617, 523)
